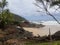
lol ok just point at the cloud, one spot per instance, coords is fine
(21, 6)
(27, 9)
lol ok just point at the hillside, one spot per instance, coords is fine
(19, 18)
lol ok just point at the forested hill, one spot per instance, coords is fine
(19, 18)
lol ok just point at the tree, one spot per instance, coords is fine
(3, 3)
(45, 5)
(5, 16)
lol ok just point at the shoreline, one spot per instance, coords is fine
(43, 31)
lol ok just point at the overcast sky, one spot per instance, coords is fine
(27, 9)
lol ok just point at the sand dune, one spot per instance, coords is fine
(45, 30)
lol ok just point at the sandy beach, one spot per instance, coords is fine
(43, 31)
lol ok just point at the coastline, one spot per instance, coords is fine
(43, 31)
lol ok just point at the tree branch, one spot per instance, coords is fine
(47, 12)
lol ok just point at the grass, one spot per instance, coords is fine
(45, 43)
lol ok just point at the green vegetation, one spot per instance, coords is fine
(44, 43)
(5, 16)
(19, 18)
(8, 18)
(9, 23)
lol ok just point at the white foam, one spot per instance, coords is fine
(50, 23)
(46, 22)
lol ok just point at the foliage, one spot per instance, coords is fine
(7, 18)
(3, 3)
(5, 15)
(50, 2)
(45, 5)
(54, 2)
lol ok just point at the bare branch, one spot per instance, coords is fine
(53, 17)
(47, 12)
(37, 5)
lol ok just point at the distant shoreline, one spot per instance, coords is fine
(43, 31)
(45, 22)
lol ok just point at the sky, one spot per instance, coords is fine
(28, 10)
